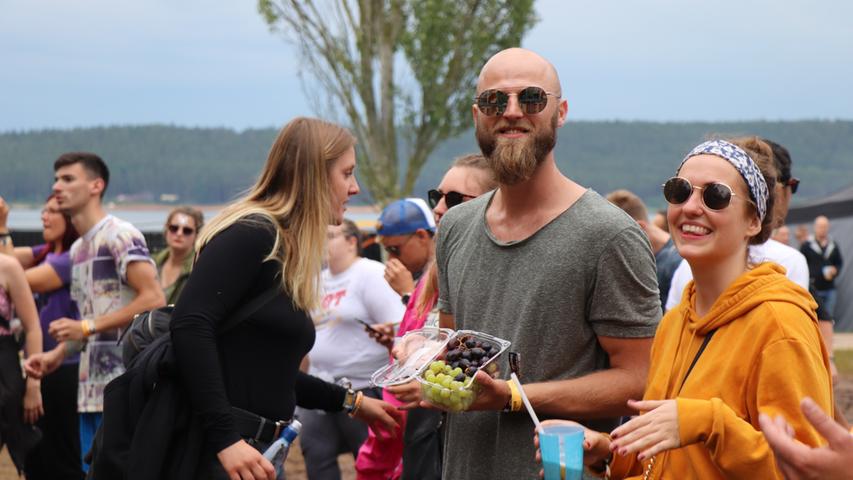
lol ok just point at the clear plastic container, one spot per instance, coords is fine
(414, 352)
(442, 384)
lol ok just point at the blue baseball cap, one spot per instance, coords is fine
(405, 216)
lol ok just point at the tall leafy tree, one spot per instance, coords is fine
(402, 72)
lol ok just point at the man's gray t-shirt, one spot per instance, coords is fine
(588, 272)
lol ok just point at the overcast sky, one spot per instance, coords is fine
(78, 63)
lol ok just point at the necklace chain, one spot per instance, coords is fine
(648, 474)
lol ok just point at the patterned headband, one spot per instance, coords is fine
(743, 163)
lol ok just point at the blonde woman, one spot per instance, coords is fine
(242, 382)
(175, 262)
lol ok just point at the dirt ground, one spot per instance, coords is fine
(296, 467)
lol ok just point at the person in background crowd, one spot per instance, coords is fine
(272, 239)
(48, 273)
(548, 265)
(660, 220)
(801, 234)
(771, 250)
(354, 291)
(824, 261)
(798, 461)
(420, 449)
(112, 279)
(782, 235)
(699, 416)
(20, 400)
(406, 228)
(175, 262)
(667, 258)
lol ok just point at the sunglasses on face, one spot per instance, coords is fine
(395, 249)
(715, 195)
(451, 199)
(531, 100)
(792, 182)
(185, 230)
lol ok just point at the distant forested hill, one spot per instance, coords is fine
(213, 165)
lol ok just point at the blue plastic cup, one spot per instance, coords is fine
(562, 452)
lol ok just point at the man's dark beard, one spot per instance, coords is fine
(514, 161)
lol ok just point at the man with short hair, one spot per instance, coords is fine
(112, 279)
(548, 265)
(667, 258)
(406, 228)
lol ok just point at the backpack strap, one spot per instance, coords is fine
(696, 358)
(248, 309)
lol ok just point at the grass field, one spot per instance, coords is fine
(844, 361)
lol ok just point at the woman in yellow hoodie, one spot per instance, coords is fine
(743, 341)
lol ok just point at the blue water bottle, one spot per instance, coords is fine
(277, 452)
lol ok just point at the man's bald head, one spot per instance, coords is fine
(518, 67)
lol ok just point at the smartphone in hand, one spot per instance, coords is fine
(368, 326)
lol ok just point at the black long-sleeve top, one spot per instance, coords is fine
(254, 366)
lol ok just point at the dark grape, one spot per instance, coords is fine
(454, 344)
(471, 343)
(466, 354)
(460, 377)
(470, 371)
(453, 355)
(477, 352)
(464, 364)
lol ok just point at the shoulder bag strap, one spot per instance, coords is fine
(698, 354)
(248, 309)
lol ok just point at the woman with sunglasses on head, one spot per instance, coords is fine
(244, 385)
(175, 262)
(379, 458)
(744, 340)
(47, 269)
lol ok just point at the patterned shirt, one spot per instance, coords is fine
(99, 286)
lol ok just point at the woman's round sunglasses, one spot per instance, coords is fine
(531, 100)
(715, 195)
(451, 199)
(185, 230)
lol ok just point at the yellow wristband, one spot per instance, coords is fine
(515, 399)
(88, 327)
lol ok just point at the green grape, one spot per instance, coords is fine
(447, 382)
(445, 393)
(456, 371)
(437, 366)
(430, 376)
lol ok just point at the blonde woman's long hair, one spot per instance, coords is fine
(292, 192)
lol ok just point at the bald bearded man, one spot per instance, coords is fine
(551, 266)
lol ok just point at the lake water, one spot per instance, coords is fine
(152, 219)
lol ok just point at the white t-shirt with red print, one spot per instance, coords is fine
(343, 348)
